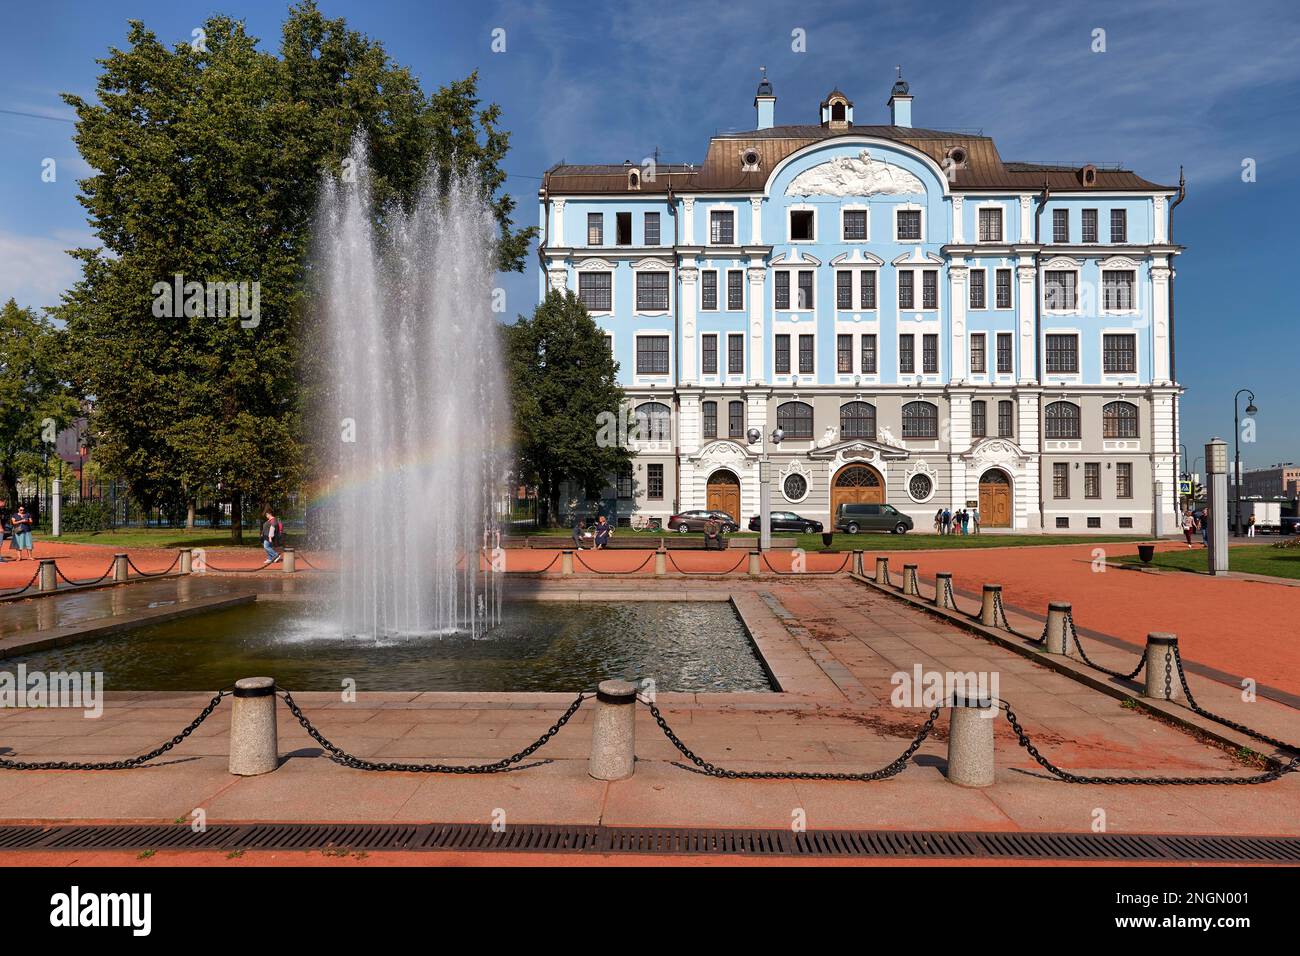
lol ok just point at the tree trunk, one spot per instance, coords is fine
(236, 517)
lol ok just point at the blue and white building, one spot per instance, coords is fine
(930, 324)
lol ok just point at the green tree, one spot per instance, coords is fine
(564, 394)
(208, 163)
(35, 400)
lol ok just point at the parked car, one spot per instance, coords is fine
(857, 517)
(787, 521)
(696, 520)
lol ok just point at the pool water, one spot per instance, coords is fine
(541, 646)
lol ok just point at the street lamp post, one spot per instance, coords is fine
(765, 485)
(1236, 444)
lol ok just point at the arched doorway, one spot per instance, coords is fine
(856, 484)
(724, 493)
(995, 499)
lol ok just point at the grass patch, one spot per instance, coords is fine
(129, 538)
(1247, 558)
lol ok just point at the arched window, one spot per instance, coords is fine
(1062, 420)
(795, 419)
(858, 420)
(920, 420)
(654, 421)
(1119, 420)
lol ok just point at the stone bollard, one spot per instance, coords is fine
(120, 567)
(989, 607)
(566, 564)
(613, 732)
(857, 562)
(882, 570)
(1160, 654)
(187, 561)
(47, 581)
(970, 741)
(754, 568)
(290, 561)
(942, 590)
(661, 562)
(910, 584)
(254, 746)
(1058, 637)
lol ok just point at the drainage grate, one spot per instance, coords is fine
(481, 838)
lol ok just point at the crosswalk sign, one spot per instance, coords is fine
(1184, 488)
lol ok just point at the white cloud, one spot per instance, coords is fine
(35, 270)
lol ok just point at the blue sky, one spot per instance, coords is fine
(1193, 82)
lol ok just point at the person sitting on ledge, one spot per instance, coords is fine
(603, 531)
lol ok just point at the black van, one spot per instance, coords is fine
(855, 517)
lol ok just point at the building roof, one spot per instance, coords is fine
(984, 168)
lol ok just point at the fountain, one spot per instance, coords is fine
(414, 412)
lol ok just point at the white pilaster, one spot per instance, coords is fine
(688, 221)
(1026, 218)
(559, 277)
(557, 232)
(689, 274)
(1025, 272)
(958, 225)
(756, 220)
(757, 368)
(1160, 273)
(958, 359)
(1160, 231)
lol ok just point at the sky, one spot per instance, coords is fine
(1197, 83)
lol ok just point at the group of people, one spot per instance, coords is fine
(17, 531)
(947, 521)
(1200, 521)
(597, 536)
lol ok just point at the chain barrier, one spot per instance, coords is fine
(1074, 637)
(1001, 614)
(120, 764)
(209, 566)
(299, 556)
(153, 574)
(77, 584)
(1210, 715)
(17, 591)
(641, 567)
(736, 567)
(952, 598)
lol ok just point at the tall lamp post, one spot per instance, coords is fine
(765, 485)
(1236, 444)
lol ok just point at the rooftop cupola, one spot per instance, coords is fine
(900, 102)
(837, 111)
(765, 102)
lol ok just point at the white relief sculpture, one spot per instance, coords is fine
(828, 437)
(855, 176)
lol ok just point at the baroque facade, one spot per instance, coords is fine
(930, 325)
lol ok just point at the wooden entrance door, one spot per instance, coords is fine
(856, 484)
(995, 499)
(724, 493)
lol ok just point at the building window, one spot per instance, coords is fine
(709, 290)
(1004, 352)
(595, 229)
(869, 355)
(1061, 479)
(844, 354)
(979, 424)
(1062, 523)
(623, 488)
(596, 291)
(867, 290)
(795, 419)
(722, 227)
(907, 353)
(1119, 420)
(652, 291)
(1004, 289)
(855, 225)
(1117, 290)
(709, 419)
(858, 420)
(710, 355)
(978, 361)
(736, 354)
(920, 420)
(930, 354)
(990, 225)
(978, 293)
(843, 289)
(1006, 418)
(1094, 522)
(654, 421)
(735, 290)
(654, 482)
(1092, 479)
(1062, 353)
(1119, 225)
(1125, 522)
(801, 225)
(609, 344)
(806, 289)
(795, 487)
(1123, 479)
(781, 356)
(652, 229)
(1060, 225)
(623, 228)
(1089, 225)
(782, 286)
(652, 355)
(920, 487)
(1119, 353)
(1060, 290)
(906, 290)
(735, 419)
(1062, 420)
(908, 224)
(930, 289)
(805, 354)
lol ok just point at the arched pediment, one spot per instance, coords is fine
(917, 257)
(853, 165)
(1061, 262)
(995, 451)
(594, 264)
(860, 175)
(723, 452)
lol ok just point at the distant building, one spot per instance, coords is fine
(1280, 479)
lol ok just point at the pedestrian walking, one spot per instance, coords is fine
(938, 521)
(1250, 527)
(22, 532)
(1205, 527)
(1189, 526)
(272, 532)
(603, 531)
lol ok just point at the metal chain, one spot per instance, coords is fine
(341, 756)
(120, 764)
(1074, 633)
(578, 555)
(714, 771)
(20, 590)
(731, 570)
(1197, 708)
(77, 584)
(153, 574)
(1068, 777)
(952, 598)
(843, 564)
(1002, 614)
